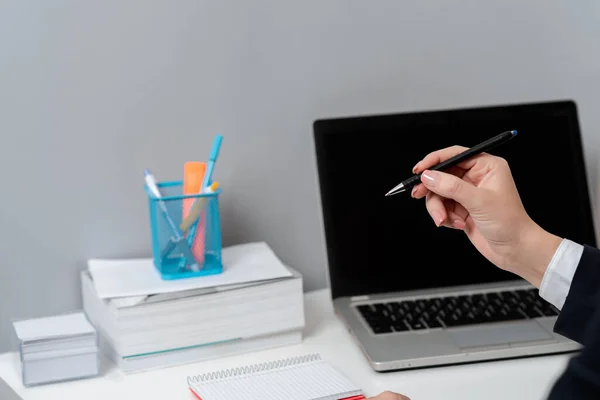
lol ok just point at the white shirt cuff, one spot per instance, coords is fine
(559, 274)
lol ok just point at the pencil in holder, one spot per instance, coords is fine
(176, 254)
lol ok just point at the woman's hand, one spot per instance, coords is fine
(389, 396)
(479, 196)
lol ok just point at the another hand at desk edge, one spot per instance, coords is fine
(479, 196)
(389, 396)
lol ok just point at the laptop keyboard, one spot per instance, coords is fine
(446, 312)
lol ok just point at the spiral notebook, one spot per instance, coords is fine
(299, 378)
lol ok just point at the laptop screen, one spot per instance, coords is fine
(378, 244)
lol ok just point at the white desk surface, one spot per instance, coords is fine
(527, 379)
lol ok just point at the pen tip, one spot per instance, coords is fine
(146, 171)
(514, 133)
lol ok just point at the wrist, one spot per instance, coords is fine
(534, 252)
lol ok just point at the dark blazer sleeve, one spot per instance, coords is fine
(580, 320)
(581, 302)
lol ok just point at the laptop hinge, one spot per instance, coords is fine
(359, 298)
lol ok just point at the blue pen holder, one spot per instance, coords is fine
(170, 245)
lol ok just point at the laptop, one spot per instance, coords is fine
(413, 295)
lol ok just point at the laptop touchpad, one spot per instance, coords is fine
(498, 334)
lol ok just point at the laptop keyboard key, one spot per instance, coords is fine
(550, 311)
(417, 325)
(476, 297)
(493, 297)
(481, 303)
(532, 313)
(433, 323)
(472, 318)
(449, 308)
(381, 309)
(400, 326)
(507, 295)
(381, 328)
(407, 305)
(539, 303)
(364, 308)
(454, 320)
(511, 315)
(495, 300)
(520, 294)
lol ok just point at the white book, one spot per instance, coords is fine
(164, 359)
(132, 301)
(243, 313)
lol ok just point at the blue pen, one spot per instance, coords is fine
(214, 153)
(177, 241)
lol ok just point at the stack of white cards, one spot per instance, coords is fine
(57, 348)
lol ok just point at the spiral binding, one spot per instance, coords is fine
(250, 369)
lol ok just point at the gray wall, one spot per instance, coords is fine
(91, 93)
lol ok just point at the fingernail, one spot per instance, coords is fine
(412, 193)
(437, 218)
(414, 170)
(427, 178)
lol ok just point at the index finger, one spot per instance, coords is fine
(438, 156)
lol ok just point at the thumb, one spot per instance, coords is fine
(451, 187)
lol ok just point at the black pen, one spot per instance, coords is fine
(473, 151)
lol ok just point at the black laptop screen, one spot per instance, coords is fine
(378, 244)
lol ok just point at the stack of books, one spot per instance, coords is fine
(146, 323)
(58, 348)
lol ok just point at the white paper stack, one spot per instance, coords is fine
(57, 348)
(146, 323)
